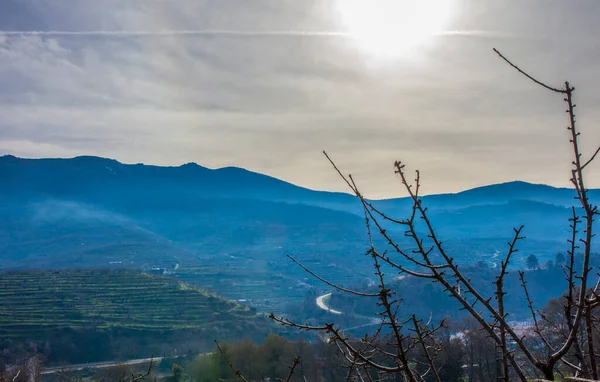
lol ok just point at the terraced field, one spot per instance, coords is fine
(116, 314)
(33, 301)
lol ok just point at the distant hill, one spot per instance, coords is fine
(104, 180)
(109, 312)
(229, 229)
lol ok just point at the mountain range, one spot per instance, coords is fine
(230, 229)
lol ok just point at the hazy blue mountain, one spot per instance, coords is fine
(106, 180)
(231, 228)
(58, 234)
(194, 204)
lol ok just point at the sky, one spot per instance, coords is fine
(268, 84)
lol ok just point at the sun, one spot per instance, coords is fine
(388, 29)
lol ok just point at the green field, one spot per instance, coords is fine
(111, 308)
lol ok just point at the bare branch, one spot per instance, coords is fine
(237, 372)
(500, 297)
(428, 356)
(591, 159)
(536, 329)
(141, 376)
(590, 342)
(332, 284)
(527, 75)
(295, 363)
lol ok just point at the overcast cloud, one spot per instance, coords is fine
(266, 85)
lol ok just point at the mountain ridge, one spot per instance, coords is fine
(500, 188)
(232, 226)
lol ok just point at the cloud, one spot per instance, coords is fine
(268, 85)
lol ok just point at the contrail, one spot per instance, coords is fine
(222, 32)
(200, 32)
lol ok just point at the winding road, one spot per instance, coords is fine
(323, 305)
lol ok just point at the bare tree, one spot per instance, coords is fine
(409, 348)
(429, 259)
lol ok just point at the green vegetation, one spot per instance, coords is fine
(319, 361)
(116, 313)
(270, 360)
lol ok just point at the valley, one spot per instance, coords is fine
(226, 232)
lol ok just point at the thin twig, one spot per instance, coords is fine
(332, 284)
(140, 376)
(425, 350)
(237, 372)
(295, 363)
(537, 329)
(500, 296)
(591, 159)
(527, 75)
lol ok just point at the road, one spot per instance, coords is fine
(99, 365)
(372, 320)
(321, 303)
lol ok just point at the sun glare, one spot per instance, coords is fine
(390, 29)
